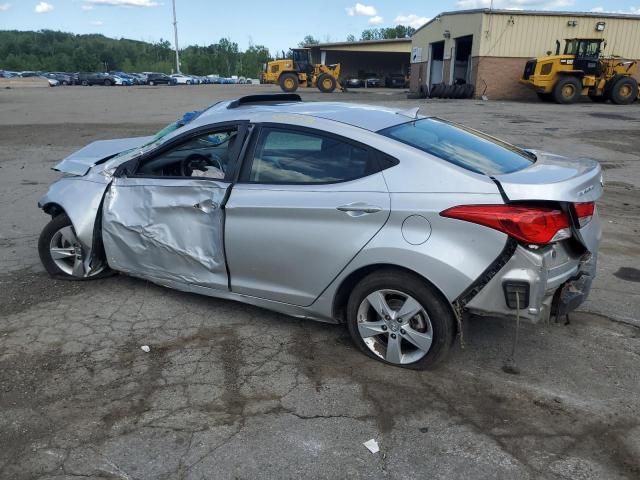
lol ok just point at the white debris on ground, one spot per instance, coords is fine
(372, 445)
(146, 348)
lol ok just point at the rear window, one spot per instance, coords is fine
(461, 146)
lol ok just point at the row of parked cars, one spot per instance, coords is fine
(126, 79)
(372, 80)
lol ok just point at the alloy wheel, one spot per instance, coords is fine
(67, 253)
(394, 326)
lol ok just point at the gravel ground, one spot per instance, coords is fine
(233, 391)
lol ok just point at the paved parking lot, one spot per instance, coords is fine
(232, 391)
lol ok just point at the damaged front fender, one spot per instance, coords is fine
(80, 199)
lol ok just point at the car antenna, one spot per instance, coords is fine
(411, 112)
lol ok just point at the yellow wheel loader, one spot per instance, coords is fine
(582, 71)
(291, 73)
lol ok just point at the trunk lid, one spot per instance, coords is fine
(80, 162)
(561, 179)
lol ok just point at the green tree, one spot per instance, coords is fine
(309, 40)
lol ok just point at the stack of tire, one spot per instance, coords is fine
(442, 90)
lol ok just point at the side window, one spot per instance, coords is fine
(296, 157)
(208, 155)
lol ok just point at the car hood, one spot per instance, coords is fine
(80, 162)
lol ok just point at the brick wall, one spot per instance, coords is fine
(417, 76)
(501, 75)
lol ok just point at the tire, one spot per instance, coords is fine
(326, 83)
(107, 83)
(188, 82)
(288, 82)
(469, 90)
(434, 318)
(84, 83)
(448, 91)
(438, 90)
(65, 83)
(544, 97)
(152, 83)
(59, 234)
(567, 90)
(624, 91)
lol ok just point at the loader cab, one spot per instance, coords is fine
(586, 52)
(302, 60)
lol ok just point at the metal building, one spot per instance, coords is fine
(381, 57)
(489, 48)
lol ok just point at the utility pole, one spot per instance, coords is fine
(175, 31)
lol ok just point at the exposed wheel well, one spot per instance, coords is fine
(53, 209)
(344, 290)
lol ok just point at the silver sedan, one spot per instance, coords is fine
(394, 223)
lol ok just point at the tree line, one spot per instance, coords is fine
(53, 51)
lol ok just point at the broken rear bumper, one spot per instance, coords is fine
(551, 280)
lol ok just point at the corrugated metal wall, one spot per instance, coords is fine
(534, 35)
(518, 35)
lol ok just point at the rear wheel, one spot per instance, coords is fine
(398, 318)
(84, 83)
(289, 82)
(151, 82)
(62, 254)
(624, 91)
(107, 83)
(326, 83)
(567, 90)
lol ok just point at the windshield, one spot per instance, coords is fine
(461, 146)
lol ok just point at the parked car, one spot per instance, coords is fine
(98, 79)
(62, 78)
(354, 82)
(394, 223)
(372, 81)
(140, 77)
(183, 79)
(160, 79)
(52, 81)
(395, 80)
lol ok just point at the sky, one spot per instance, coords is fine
(277, 24)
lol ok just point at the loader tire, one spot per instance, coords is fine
(289, 82)
(567, 90)
(469, 90)
(326, 83)
(624, 91)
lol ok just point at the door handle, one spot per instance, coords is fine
(359, 208)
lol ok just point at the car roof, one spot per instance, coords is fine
(368, 117)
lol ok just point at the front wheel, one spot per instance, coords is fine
(62, 254)
(326, 83)
(398, 318)
(567, 90)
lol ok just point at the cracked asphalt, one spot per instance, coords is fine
(232, 391)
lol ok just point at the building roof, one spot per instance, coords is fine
(545, 13)
(359, 42)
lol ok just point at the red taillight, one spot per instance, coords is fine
(584, 211)
(529, 224)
